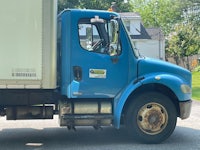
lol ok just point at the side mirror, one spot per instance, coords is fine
(114, 31)
(114, 38)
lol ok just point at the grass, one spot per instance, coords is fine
(196, 85)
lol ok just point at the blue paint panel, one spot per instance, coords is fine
(65, 51)
(120, 100)
(154, 71)
(172, 82)
(117, 74)
(170, 75)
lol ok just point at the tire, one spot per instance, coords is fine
(151, 118)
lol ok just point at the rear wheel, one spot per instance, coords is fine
(151, 117)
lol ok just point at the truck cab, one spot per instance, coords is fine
(100, 67)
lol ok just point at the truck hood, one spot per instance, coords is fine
(154, 66)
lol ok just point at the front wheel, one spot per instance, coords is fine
(151, 117)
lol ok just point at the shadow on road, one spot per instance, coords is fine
(87, 138)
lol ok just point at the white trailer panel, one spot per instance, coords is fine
(28, 43)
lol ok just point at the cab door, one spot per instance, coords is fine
(99, 64)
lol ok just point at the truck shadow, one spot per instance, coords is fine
(87, 138)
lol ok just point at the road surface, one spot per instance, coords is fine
(47, 135)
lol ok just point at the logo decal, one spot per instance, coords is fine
(97, 73)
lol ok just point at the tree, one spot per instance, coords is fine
(192, 13)
(95, 4)
(183, 42)
(64, 4)
(179, 19)
(159, 13)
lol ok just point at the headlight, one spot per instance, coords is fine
(185, 89)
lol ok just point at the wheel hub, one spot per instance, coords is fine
(152, 118)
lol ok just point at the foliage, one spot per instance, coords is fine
(95, 4)
(163, 13)
(155, 13)
(159, 13)
(184, 39)
(196, 85)
(197, 69)
(62, 4)
(183, 42)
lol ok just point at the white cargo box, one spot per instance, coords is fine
(28, 44)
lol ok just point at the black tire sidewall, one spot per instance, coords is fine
(135, 106)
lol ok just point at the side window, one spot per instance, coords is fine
(100, 36)
(88, 35)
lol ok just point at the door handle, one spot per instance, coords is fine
(77, 73)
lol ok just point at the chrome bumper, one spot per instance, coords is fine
(185, 109)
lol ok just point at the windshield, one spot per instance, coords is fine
(135, 51)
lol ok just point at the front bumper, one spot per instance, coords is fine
(185, 109)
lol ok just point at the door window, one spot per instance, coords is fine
(89, 36)
(99, 37)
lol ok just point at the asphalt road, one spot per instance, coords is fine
(47, 135)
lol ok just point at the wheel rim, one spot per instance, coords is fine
(152, 118)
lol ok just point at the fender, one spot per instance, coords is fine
(120, 100)
(169, 80)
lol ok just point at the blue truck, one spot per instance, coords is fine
(82, 66)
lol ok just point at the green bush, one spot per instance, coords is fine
(197, 69)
